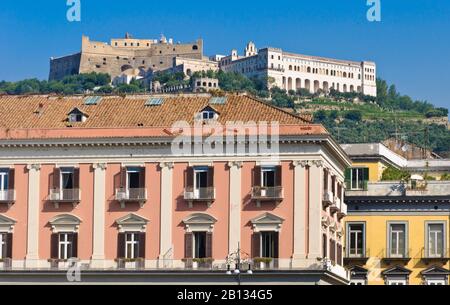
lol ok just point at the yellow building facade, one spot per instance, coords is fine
(395, 232)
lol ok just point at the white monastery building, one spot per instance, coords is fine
(295, 71)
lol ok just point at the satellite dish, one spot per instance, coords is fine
(405, 148)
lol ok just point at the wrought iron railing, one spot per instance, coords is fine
(60, 195)
(7, 196)
(131, 194)
(267, 193)
(203, 193)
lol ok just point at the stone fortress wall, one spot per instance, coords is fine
(122, 55)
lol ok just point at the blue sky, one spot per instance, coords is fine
(411, 44)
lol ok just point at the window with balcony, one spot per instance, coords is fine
(199, 244)
(131, 245)
(199, 181)
(198, 239)
(7, 193)
(269, 244)
(267, 184)
(131, 241)
(5, 245)
(356, 240)
(435, 240)
(131, 187)
(357, 178)
(397, 240)
(66, 185)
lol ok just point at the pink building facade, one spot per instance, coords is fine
(115, 197)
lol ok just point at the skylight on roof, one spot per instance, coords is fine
(154, 101)
(218, 100)
(92, 100)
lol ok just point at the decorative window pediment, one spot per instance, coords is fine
(7, 224)
(397, 271)
(199, 222)
(435, 271)
(132, 223)
(267, 222)
(65, 223)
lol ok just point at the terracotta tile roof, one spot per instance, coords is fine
(38, 113)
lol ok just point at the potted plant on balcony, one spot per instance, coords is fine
(202, 262)
(263, 262)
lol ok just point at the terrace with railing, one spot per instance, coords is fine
(398, 188)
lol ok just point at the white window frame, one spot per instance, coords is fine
(266, 169)
(395, 281)
(197, 170)
(4, 175)
(428, 232)
(359, 171)
(65, 171)
(210, 115)
(272, 233)
(73, 118)
(389, 240)
(64, 244)
(131, 170)
(358, 282)
(2, 244)
(363, 236)
(134, 241)
(194, 244)
(435, 281)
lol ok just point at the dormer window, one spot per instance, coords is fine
(208, 113)
(76, 116)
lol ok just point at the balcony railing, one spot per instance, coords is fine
(435, 255)
(328, 199)
(58, 196)
(130, 264)
(5, 264)
(124, 195)
(397, 188)
(359, 258)
(262, 193)
(63, 264)
(199, 263)
(393, 256)
(7, 196)
(200, 194)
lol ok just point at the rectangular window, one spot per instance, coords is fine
(67, 178)
(397, 242)
(435, 240)
(65, 245)
(133, 177)
(4, 179)
(199, 239)
(397, 281)
(2, 245)
(359, 178)
(201, 177)
(268, 176)
(131, 245)
(269, 244)
(356, 240)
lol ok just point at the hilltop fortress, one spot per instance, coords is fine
(136, 56)
(128, 58)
